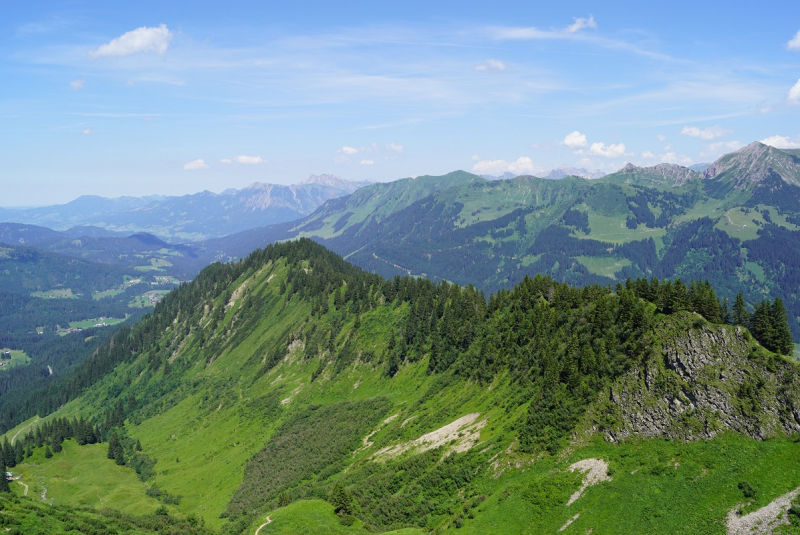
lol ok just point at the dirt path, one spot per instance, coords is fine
(24, 485)
(21, 430)
(269, 521)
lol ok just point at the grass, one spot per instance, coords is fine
(156, 264)
(146, 299)
(314, 516)
(108, 293)
(83, 476)
(55, 294)
(744, 223)
(612, 229)
(18, 358)
(95, 322)
(603, 266)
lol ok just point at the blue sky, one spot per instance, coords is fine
(140, 98)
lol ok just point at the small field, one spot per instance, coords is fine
(155, 265)
(82, 476)
(55, 294)
(108, 293)
(148, 299)
(95, 322)
(18, 358)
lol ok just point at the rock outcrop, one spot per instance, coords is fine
(704, 379)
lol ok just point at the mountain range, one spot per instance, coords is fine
(191, 217)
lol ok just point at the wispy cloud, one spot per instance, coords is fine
(794, 42)
(87, 132)
(142, 39)
(520, 166)
(712, 132)
(195, 165)
(491, 65)
(76, 85)
(794, 94)
(367, 162)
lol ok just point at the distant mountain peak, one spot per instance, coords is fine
(663, 174)
(565, 171)
(753, 163)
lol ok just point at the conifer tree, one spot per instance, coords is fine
(782, 335)
(740, 314)
(113, 446)
(47, 453)
(341, 500)
(4, 480)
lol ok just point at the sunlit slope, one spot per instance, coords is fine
(261, 386)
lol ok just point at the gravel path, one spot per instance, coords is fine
(269, 521)
(763, 521)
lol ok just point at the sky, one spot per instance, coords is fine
(172, 98)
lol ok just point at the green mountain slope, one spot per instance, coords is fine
(737, 226)
(266, 385)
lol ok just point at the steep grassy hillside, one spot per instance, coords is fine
(291, 377)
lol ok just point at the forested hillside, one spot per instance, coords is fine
(736, 226)
(292, 376)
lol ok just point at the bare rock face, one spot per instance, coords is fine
(662, 174)
(705, 379)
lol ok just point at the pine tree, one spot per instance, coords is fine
(341, 500)
(119, 456)
(782, 335)
(48, 453)
(740, 314)
(4, 480)
(113, 446)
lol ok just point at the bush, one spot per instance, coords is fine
(747, 490)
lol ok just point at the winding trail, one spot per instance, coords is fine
(24, 485)
(269, 521)
(21, 430)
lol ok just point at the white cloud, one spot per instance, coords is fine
(76, 85)
(347, 150)
(661, 137)
(610, 151)
(581, 23)
(226, 160)
(535, 33)
(671, 157)
(475, 158)
(87, 132)
(575, 140)
(367, 162)
(709, 133)
(491, 65)
(521, 166)
(794, 44)
(249, 160)
(142, 39)
(395, 147)
(649, 155)
(724, 146)
(781, 142)
(195, 164)
(794, 94)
